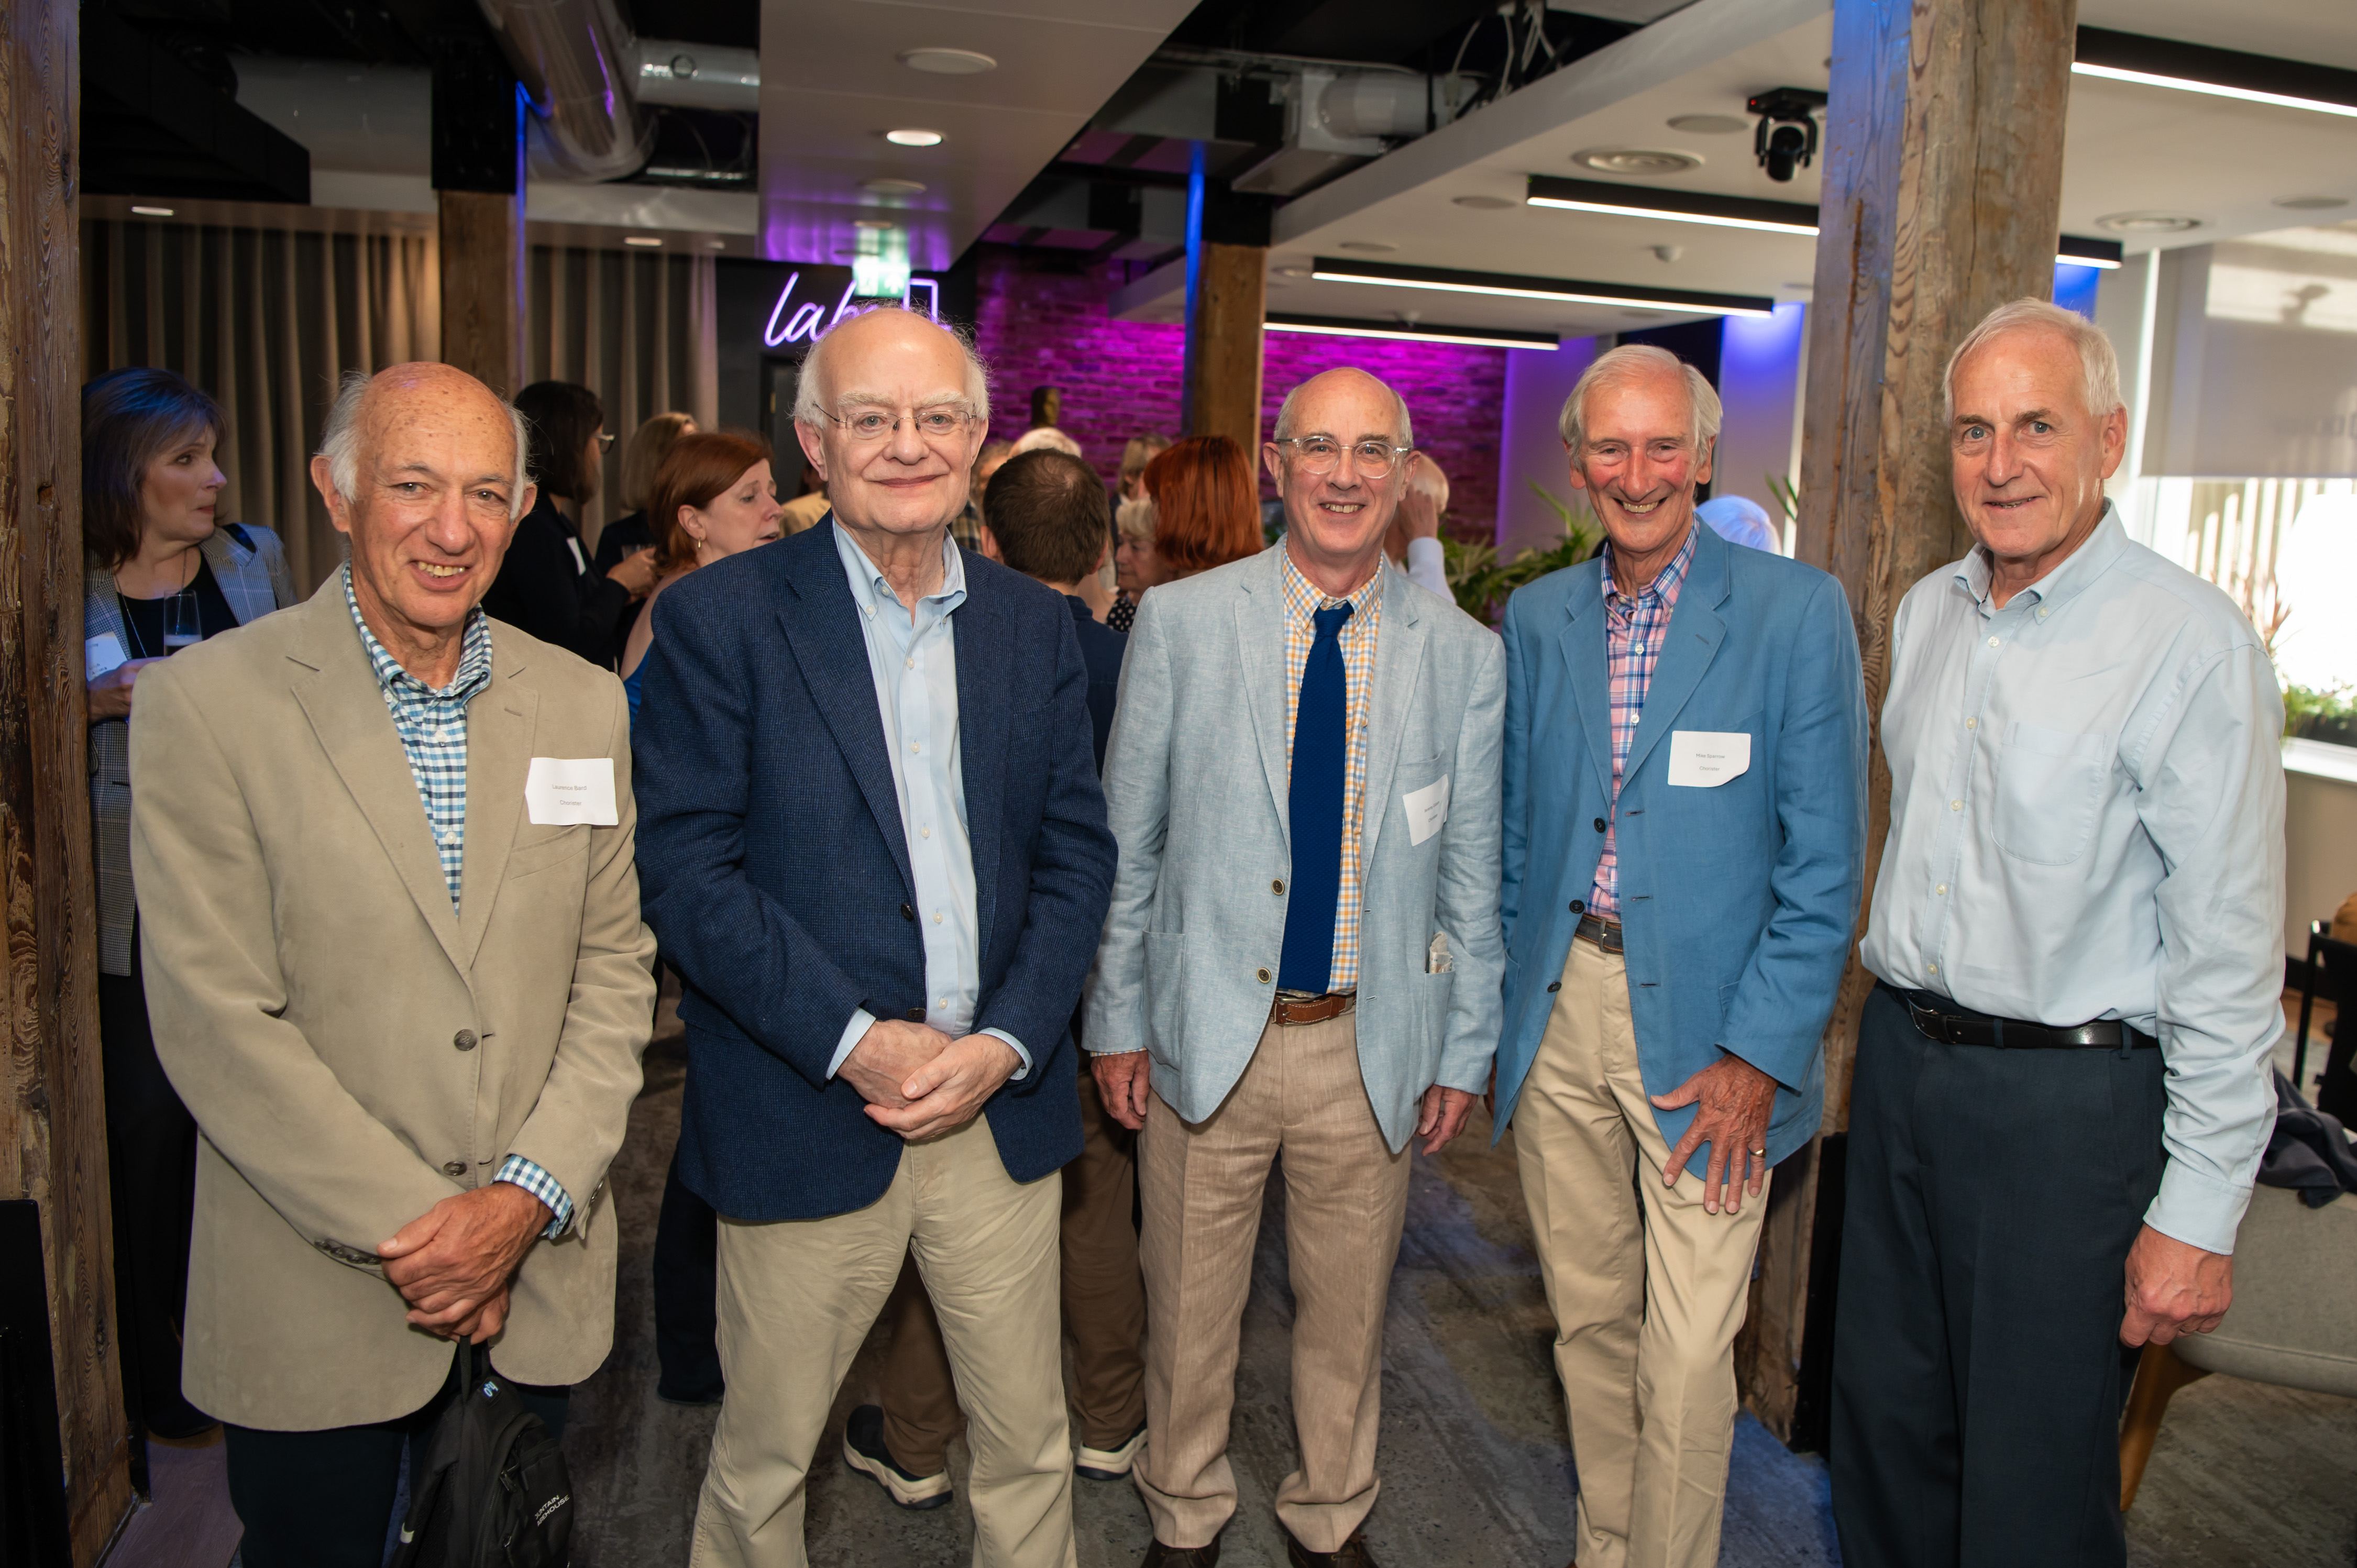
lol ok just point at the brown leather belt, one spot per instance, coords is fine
(1605, 934)
(1313, 1009)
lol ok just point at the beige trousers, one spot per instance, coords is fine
(1345, 1199)
(1647, 1287)
(796, 1299)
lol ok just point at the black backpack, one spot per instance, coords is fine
(495, 1493)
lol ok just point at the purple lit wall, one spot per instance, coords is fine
(1039, 327)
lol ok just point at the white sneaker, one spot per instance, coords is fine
(1109, 1464)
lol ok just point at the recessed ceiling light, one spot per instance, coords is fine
(913, 138)
(873, 223)
(153, 211)
(1370, 247)
(881, 185)
(1293, 272)
(2296, 203)
(1482, 203)
(948, 62)
(2148, 222)
(715, 244)
(640, 239)
(1708, 124)
(1650, 161)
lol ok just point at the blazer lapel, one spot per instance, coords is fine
(980, 634)
(1695, 631)
(821, 626)
(499, 726)
(338, 692)
(1260, 653)
(1591, 681)
(1399, 658)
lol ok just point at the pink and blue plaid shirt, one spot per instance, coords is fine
(1634, 628)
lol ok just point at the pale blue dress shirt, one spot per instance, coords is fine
(914, 662)
(2087, 821)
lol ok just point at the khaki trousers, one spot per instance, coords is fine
(796, 1299)
(1647, 1287)
(1104, 1312)
(1345, 1199)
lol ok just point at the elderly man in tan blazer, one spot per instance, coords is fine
(393, 953)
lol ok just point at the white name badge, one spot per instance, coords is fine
(1701, 758)
(1427, 809)
(561, 790)
(103, 654)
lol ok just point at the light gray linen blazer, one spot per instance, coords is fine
(1197, 780)
(253, 578)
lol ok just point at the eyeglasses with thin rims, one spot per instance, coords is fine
(1320, 454)
(605, 441)
(942, 422)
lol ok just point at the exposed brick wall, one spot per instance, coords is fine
(1039, 327)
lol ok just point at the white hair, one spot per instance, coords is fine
(1632, 362)
(1047, 438)
(1284, 430)
(2099, 366)
(340, 443)
(1137, 519)
(813, 409)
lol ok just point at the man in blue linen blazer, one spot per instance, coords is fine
(1684, 846)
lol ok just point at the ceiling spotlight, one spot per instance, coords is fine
(948, 62)
(881, 185)
(913, 138)
(1787, 135)
(2296, 203)
(640, 239)
(2148, 222)
(153, 211)
(1640, 162)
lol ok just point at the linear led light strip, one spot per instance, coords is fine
(1765, 225)
(1410, 334)
(1634, 300)
(2212, 89)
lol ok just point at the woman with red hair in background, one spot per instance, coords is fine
(1210, 509)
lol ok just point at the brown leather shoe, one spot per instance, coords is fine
(1352, 1553)
(1160, 1556)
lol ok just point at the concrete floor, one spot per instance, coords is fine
(1476, 1469)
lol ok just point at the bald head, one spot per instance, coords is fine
(365, 402)
(891, 410)
(860, 341)
(1344, 381)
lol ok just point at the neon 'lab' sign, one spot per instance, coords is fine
(807, 320)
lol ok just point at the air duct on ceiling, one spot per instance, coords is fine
(579, 63)
(699, 76)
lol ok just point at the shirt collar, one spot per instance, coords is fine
(1304, 597)
(2065, 580)
(870, 592)
(474, 654)
(1665, 584)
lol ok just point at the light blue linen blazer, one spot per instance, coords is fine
(1197, 782)
(1739, 902)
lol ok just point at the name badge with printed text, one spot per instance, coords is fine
(1704, 759)
(561, 790)
(1427, 809)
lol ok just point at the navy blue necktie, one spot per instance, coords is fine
(1320, 753)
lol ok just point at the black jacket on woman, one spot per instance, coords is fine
(547, 588)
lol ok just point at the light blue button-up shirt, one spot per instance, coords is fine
(2087, 821)
(914, 662)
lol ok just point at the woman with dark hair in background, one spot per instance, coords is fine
(163, 572)
(545, 587)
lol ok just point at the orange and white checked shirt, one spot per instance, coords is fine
(1302, 599)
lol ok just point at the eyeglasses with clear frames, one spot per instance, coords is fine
(1321, 454)
(942, 422)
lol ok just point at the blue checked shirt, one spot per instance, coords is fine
(1634, 626)
(433, 729)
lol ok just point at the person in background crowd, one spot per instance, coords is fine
(546, 588)
(1045, 439)
(1740, 520)
(876, 852)
(1303, 779)
(1136, 567)
(966, 527)
(404, 993)
(1206, 515)
(628, 534)
(809, 507)
(157, 553)
(1685, 845)
(1413, 541)
(1136, 454)
(1049, 523)
(2063, 1090)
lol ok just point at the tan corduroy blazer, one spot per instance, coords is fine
(351, 1051)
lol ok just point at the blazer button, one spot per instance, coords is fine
(1261, 975)
(1578, 907)
(916, 1015)
(1277, 888)
(1555, 985)
(454, 1168)
(1599, 824)
(464, 1039)
(907, 913)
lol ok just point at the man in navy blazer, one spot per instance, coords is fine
(874, 849)
(1683, 847)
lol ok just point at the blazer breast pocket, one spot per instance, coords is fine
(2050, 784)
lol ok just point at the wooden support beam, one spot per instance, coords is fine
(482, 255)
(1942, 201)
(53, 1100)
(1228, 289)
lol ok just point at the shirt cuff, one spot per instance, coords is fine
(862, 1020)
(522, 1173)
(2197, 1208)
(1022, 1071)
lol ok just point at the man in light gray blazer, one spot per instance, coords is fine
(1302, 955)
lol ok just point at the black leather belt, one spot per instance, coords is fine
(1604, 933)
(1938, 1018)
